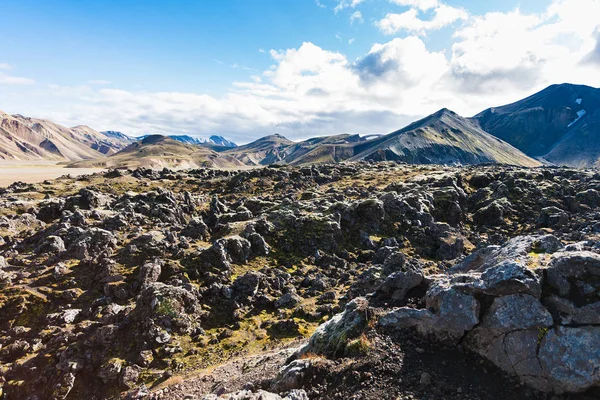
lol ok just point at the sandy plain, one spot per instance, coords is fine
(37, 171)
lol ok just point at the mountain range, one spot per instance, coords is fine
(213, 140)
(559, 125)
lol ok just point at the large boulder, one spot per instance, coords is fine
(330, 339)
(162, 308)
(533, 316)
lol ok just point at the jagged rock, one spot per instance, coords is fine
(568, 313)
(52, 245)
(509, 334)
(238, 249)
(15, 350)
(590, 197)
(164, 306)
(492, 214)
(517, 248)
(575, 272)
(449, 314)
(196, 229)
(145, 358)
(130, 376)
(110, 370)
(288, 300)
(93, 244)
(50, 210)
(552, 217)
(330, 338)
(570, 358)
(148, 245)
(292, 375)
(247, 286)
(259, 245)
(509, 277)
(149, 273)
(64, 317)
(397, 285)
(63, 386)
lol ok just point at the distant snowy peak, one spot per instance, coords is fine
(118, 135)
(213, 140)
(221, 141)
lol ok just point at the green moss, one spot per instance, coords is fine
(542, 334)
(166, 308)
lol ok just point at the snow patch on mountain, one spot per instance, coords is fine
(580, 114)
(578, 101)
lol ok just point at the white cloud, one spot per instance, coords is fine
(245, 68)
(356, 16)
(420, 4)
(99, 82)
(342, 4)
(496, 58)
(261, 50)
(444, 15)
(350, 41)
(6, 79)
(319, 4)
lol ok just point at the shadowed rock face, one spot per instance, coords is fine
(559, 124)
(133, 280)
(525, 325)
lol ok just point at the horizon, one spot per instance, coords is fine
(307, 69)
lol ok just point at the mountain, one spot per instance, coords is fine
(157, 151)
(24, 138)
(221, 141)
(560, 124)
(264, 151)
(119, 136)
(214, 140)
(442, 138)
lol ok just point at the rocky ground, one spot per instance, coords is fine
(349, 281)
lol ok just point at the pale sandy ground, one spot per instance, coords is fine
(37, 171)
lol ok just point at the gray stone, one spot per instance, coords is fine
(331, 337)
(570, 358)
(567, 267)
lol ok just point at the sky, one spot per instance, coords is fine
(244, 69)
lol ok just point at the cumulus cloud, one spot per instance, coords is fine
(342, 4)
(356, 17)
(594, 56)
(444, 15)
(495, 58)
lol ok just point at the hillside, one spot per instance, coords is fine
(214, 140)
(158, 151)
(559, 124)
(442, 138)
(24, 138)
(264, 151)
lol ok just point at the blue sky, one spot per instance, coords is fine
(235, 67)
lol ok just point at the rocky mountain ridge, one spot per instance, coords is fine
(24, 138)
